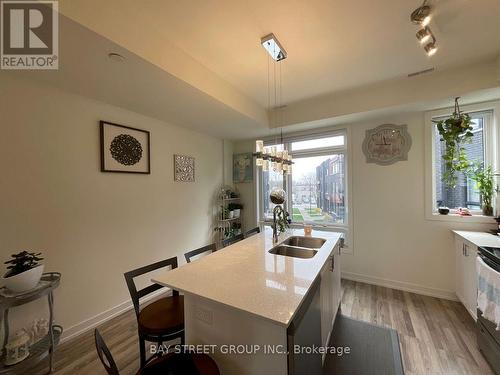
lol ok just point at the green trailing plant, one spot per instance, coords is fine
(282, 220)
(455, 131)
(484, 178)
(22, 262)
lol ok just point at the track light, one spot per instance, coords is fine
(423, 35)
(431, 48)
(421, 15)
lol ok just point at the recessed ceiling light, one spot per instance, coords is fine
(116, 57)
(273, 46)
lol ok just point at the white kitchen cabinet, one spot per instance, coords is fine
(465, 274)
(330, 294)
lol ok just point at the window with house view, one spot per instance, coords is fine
(465, 193)
(317, 187)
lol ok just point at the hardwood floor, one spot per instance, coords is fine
(436, 336)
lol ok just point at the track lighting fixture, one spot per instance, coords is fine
(431, 48)
(423, 35)
(422, 16)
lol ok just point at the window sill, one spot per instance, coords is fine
(480, 219)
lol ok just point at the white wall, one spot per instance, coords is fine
(393, 243)
(93, 226)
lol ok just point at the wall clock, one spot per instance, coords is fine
(387, 144)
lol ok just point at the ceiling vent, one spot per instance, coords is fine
(425, 71)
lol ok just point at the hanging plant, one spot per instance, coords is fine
(455, 131)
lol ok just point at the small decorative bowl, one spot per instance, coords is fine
(443, 210)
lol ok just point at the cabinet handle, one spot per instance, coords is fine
(466, 252)
(463, 249)
(332, 264)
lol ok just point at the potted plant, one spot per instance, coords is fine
(455, 131)
(485, 184)
(24, 271)
(235, 208)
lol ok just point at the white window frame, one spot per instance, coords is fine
(345, 150)
(492, 140)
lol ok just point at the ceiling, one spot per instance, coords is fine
(199, 64)
(332, 45)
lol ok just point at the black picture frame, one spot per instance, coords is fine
(104, 168)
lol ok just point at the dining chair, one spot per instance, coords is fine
(232, 240)
(168, 364)
(161, 320)
(190, 254)
(251, 232)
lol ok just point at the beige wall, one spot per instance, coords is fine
(393, 243)
(92, 226)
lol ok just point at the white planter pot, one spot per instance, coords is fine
(230, 215)
(237, 213)
(24, 281)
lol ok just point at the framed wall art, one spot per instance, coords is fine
(183, 168)
(387, 144)
(124, 149)
(243, 167)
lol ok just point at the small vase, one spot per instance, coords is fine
(488, 211)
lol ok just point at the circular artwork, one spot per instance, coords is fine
(126, 150)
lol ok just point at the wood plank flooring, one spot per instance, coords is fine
(436, 336)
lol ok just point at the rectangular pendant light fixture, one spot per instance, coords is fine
(273, 46)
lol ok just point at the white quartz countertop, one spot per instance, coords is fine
(479, 238)
(247, 277)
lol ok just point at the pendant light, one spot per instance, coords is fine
(270, 158)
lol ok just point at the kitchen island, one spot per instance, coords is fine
(251, 308)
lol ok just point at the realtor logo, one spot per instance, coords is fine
(29, 35)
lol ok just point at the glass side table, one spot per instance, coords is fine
(47, 344)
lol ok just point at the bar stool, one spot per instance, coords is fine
(201, 250)
(161, 320)
(232, 240)
(171, 364)
(251, 232)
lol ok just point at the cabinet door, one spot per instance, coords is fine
(337, 287)
(459, 269)
(470, 278)
(326, 297)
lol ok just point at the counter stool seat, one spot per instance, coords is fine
(162, 317)
(181, 363)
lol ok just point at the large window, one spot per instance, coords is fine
(316, 188)
(465, 193)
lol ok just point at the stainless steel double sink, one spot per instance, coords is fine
(298, 247)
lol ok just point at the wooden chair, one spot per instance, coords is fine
(251, 232)
(201, 250)
(172, 364)
(161, 320)
(230, 241)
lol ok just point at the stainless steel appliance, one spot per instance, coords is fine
(488, 338)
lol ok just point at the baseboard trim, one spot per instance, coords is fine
(88, 324)
(401, 285)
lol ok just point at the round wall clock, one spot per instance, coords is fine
(387, 144)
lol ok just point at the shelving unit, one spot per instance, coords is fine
(227, 226)
(45, 346)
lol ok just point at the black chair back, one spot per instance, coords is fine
(105, 355)
(251, 232)
(230, 241)
(201, 250)
(135, 294)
